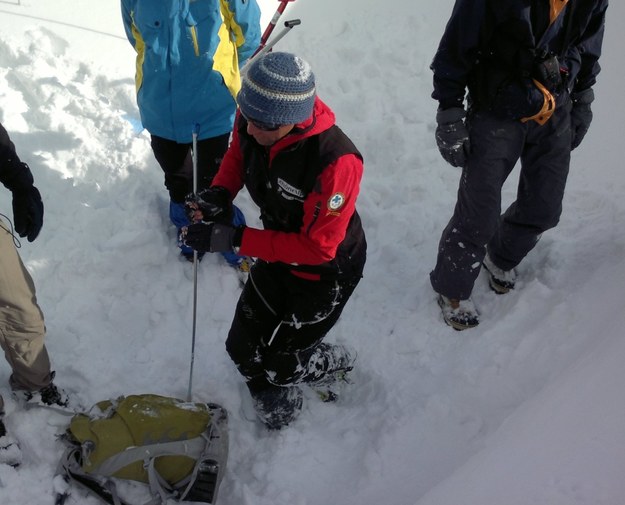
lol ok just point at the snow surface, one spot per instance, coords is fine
(529, 408)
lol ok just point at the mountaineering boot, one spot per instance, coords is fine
(459, 314)
(242, 265)
(327, 370)
(48, 396)
(500, 281)
(277, 406)
(10, 453)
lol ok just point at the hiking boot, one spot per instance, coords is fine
(243, 265)
(328, 369)
(48, 396)
(331, 391)
(459, 314)
(328, 362)
(10, 453)
(278, 406)
(500, 281)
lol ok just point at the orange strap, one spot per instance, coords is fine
(549, 105)
(555, 8)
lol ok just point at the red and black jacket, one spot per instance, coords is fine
(306, 186)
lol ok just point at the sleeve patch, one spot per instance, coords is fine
(336, 201)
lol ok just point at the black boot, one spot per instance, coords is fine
(276, 406)
(10, 453)
(329, 363)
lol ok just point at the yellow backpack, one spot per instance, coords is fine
(179, 449)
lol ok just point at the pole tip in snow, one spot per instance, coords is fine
(292, 22)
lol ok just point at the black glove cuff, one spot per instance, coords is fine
(237, 238)
(19, 179)
(586, 97)
(448, 116)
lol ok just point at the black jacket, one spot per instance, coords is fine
(490, 46)
(14, 174)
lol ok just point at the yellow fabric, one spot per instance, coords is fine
(225, 60)
(140, 420)
(140, 48)
(196, 45)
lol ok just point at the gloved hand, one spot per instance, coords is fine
(452, 136)
(211, 204)
(212, 237)
(27, 212)
(581, 116)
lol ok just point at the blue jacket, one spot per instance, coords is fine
(489, 45)
(189, 53)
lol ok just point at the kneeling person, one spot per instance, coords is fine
(304, 174)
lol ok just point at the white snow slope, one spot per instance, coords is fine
(528, 408)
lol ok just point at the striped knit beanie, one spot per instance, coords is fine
(277, 89)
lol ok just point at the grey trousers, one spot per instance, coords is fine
(496, 146)
(22, 328)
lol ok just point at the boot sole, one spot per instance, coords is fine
(499, 287)
(450, 322)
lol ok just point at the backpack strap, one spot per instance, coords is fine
(192, 448)
(70, 470)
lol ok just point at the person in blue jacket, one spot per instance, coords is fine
(529, 67)
(189, 55)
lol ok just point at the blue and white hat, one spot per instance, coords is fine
(277, 89)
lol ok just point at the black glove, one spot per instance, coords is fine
(211, 204)
(452, 136)
(28, 212)
(581, 116)
(212, 237)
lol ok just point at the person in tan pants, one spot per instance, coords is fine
(22, 328)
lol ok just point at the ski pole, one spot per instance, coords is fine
(196, 130)
(266, 48)
(272, 24)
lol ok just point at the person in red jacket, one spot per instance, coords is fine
(304, 174)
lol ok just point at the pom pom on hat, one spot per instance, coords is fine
(278, 89)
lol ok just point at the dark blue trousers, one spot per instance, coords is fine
(496, 145)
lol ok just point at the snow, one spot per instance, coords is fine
(528, 408)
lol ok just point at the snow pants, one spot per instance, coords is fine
(22, 328)
(279, 321)
(177, 164)
(496, 146)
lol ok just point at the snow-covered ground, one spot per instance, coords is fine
(528, 408)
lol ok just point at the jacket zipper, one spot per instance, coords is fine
(315, 216)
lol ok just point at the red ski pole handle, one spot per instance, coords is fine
(272, 24)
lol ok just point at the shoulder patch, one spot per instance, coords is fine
(336, 201)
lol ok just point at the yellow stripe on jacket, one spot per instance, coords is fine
(226, 60)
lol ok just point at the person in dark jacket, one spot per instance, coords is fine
(22, 328)
(304, 174)
(188, 60)
(529, 67)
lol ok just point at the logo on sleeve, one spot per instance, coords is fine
(335, 202)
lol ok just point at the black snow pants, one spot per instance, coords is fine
(177, 164)
(279, 321)
(496, 146)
